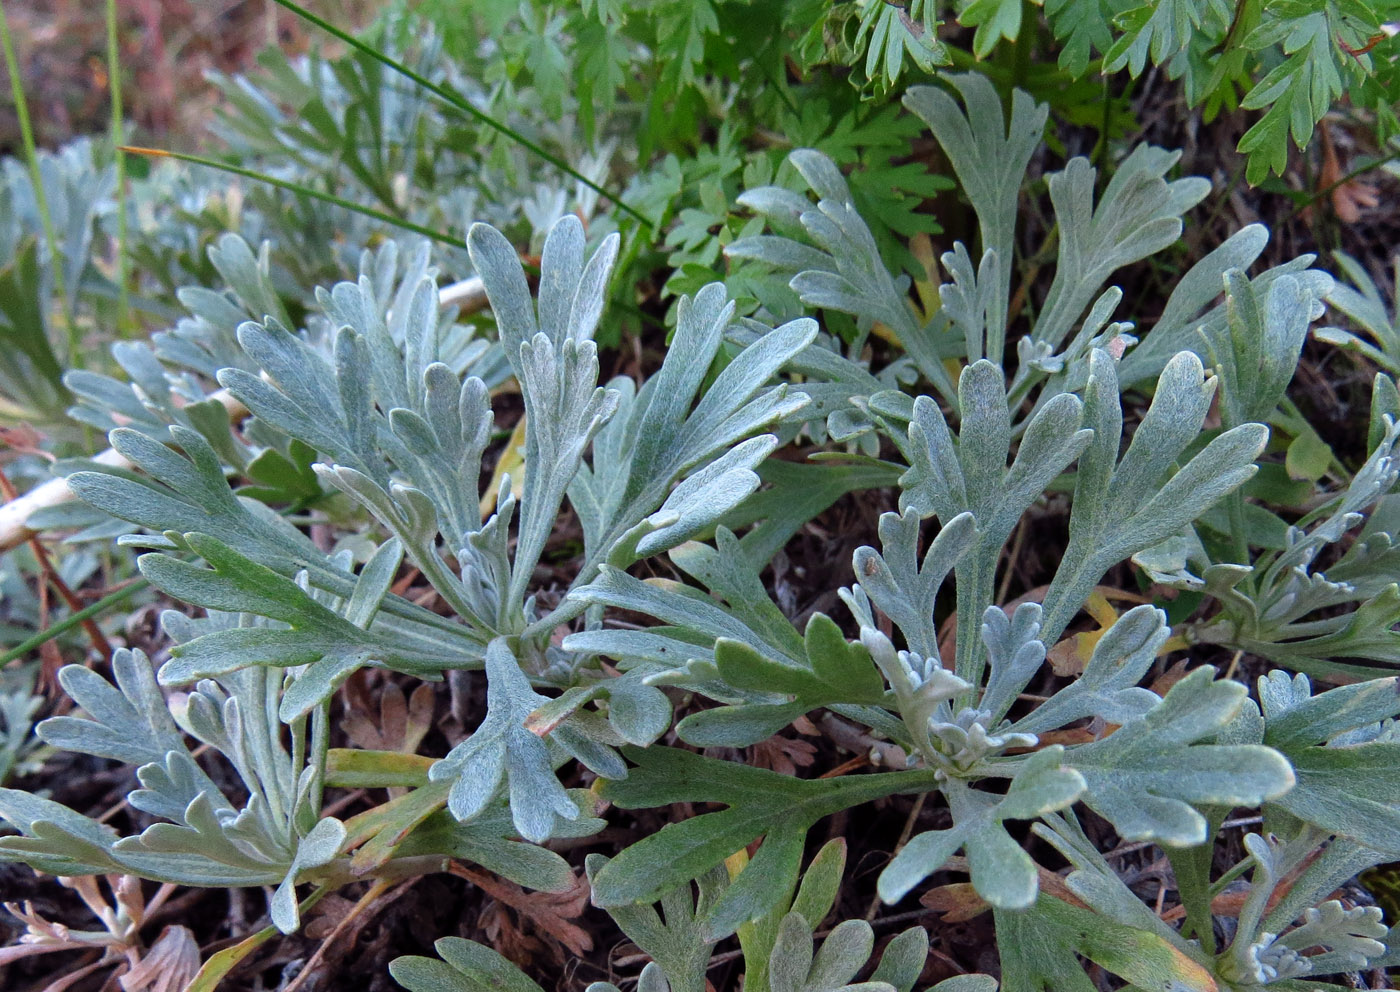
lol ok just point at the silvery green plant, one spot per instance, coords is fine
(1280, 603)
(171, 382)
(1336, 821)
(1070, 360)
(351, 122)
(277, 836)
(34, 316)
(19, 705)
(375, 391)
(274, 839)
(1330, 622)
(1361, 301)
(955, 716)
(778, 948)
(829, 255)
(380, 408)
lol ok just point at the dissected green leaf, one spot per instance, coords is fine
(1147, 776)
(761, 803)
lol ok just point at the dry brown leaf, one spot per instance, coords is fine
(22, 440)
(65, 982)
(169, 966)
(1067, 736)
(956, 902)
(959, 901)
(402, 723)
(549, 915)
(1162, 684)
(1349, 197)
(341, 940)
(1069, 656)
(119, 936)
(328, 914)
(783, 755)
(504, 936)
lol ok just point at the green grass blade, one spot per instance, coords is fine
(455, 100)
(331, 198)
(71, 621)
(114, 83)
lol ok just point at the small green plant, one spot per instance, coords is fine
(365, 412)
(778, 948)
(289, 623)
(37, 323)
(950, 714)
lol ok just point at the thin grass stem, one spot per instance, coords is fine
(457, 101)
(114, 85)
(331, 198)
(71, 621)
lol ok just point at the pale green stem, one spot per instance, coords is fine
(114, 82)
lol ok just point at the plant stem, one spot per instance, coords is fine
(1193, 884)
(457, 101)
(71, 621)
(976, 579)
(114, 83)
(212, 972)
(1360, 170)
(320, 747)
(1101, 149)
(331, 198)
(1239, 542)
(1025, 41)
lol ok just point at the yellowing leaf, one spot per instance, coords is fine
(512, 461)
(1143, 959)
(1070, 655)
